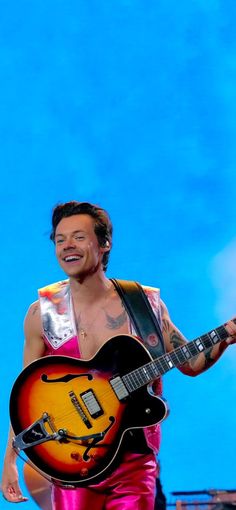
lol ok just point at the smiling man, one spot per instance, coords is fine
(76, 317)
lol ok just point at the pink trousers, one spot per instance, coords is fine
(131, 486)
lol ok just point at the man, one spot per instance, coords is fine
(76, 317)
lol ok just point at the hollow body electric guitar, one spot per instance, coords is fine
(70, 415)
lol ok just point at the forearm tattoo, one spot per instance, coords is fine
(208, 359)
(176, 339)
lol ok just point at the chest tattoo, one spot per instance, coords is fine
(116, 322)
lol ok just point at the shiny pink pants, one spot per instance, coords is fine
(131, 486)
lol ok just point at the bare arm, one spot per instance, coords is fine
(173, 338)
(34, 345)
(34, 348)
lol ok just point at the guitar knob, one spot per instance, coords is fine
(75, 456)
(95, 457)
(84, 472)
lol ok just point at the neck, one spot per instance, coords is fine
(92, 288)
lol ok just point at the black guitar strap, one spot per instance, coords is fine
(141, 314)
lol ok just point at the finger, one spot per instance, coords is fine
(12, 498)
(230, 327)
(13, 493)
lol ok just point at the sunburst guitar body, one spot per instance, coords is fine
(70, 415)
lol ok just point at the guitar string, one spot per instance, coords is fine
(163, 363)
(106, 397)
(107, 394)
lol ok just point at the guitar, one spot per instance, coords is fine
(70, 415)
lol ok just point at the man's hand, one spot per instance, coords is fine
(10, 487)
(230, 326)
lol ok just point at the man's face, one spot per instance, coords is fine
(77, 248)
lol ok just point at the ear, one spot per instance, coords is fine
(106, 246)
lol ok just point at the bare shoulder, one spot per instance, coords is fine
(152, 290)
(164, 310)
(153, 295)
(33, 321)
(34, 308)
(167, 325)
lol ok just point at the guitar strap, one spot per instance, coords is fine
(140, 311)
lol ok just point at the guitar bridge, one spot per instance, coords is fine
(35, 434)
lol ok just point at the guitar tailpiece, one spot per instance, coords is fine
(34, 434)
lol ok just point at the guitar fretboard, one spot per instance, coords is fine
(154, 369)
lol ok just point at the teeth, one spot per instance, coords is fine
(71, 258)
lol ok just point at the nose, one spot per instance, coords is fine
(69, 244)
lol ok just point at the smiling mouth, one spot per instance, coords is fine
(72, 258)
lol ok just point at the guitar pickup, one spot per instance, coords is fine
(91, 403)
(119, 388)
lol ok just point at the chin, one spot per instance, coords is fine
(77, 274)
(72, 271)
(74, 274)
(80, 272)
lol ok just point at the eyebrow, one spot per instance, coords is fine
(74, 232)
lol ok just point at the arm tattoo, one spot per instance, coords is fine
(165, 325)
(176, 340)
(35, 309)
(116, 322)
(208, 359)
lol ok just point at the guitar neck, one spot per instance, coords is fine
(154, 369)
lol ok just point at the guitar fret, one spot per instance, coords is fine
(187, 352)
(218, 334)
(150, 371)
(146, 373)
(193, 349)
(130, 381)
(169, 361)
(140, 378)
(206, 340)
(222, 332)
(174, 357)
(163, 365)
(142, 375)
(155, 371)
(136, 379)
(180, 356)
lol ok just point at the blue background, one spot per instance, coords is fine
(130, 105)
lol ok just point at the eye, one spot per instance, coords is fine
(80, 238)
(59, 241)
